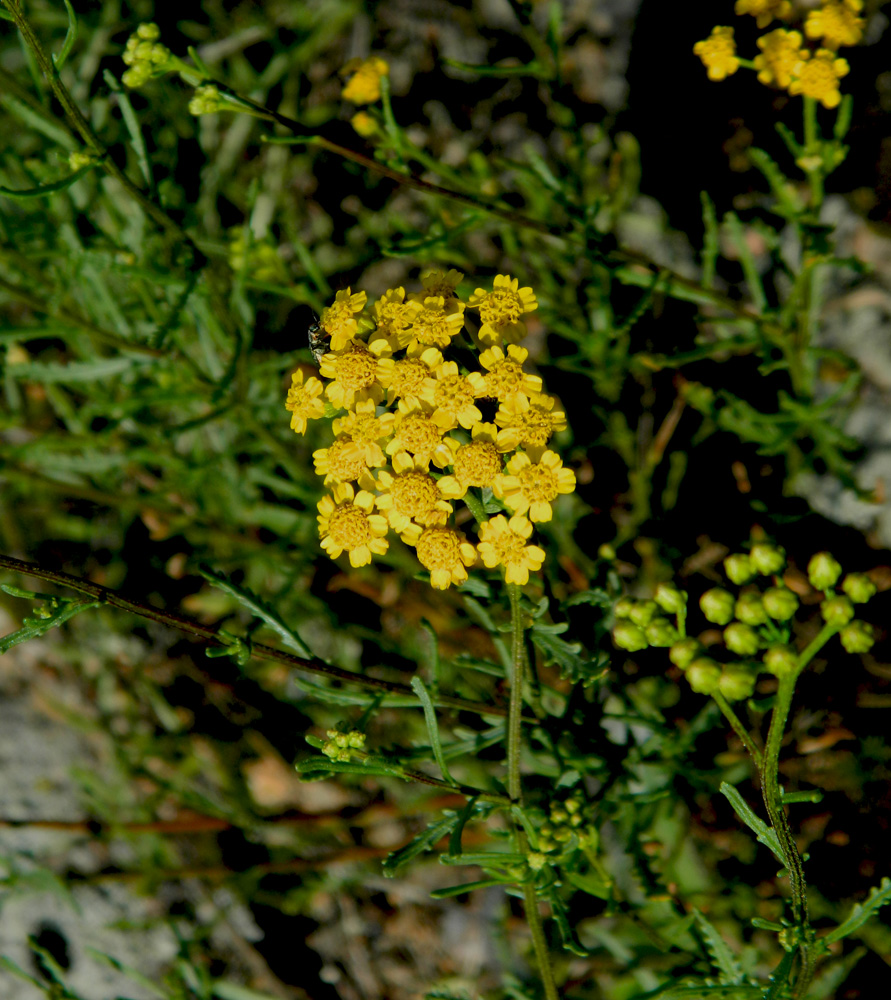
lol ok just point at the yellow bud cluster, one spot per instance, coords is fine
(565, 819)
(413, 439)
(145, 55)
(206, 100)
(784, 59)
(259, 261)
(344, 747)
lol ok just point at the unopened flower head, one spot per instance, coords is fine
(417, 431)
(718, 53)
(764, 11)
(364, 84)
(145, 56)
(817, 76)
(836, 23)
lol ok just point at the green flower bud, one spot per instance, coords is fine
(627, 635)
(749, 609)
(622, 607)
(535, 861)
(781, 660)
(737, 681)
(823, 571)
(149, 31)
(562, 835)
(837, 610)
(767, 559)
(643, 612)
(572, 805)
(607, 552)
(857, 636)
(717, 605)
(660, 632)
(704, 675)
(780, 603)
(576, 820)
(558, 815)
(670, 598)
(741, 639)
(683, 653)
(858, 587)
(738, 568)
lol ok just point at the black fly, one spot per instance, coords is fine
(318, 339)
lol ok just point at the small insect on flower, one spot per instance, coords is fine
(319, 339)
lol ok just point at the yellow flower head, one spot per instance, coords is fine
(393, 317)
(764, 11)
(817, 76)
(528, 422)
(410, 378)
(364, 85)
(364, 124)
(505, 374)
(780, 52)
(339, 319)
(409, 493)
(415, 431)
(501, 309)
(476, 464)
(304, 401)
(434, 322)
(366, 429)
(353, 371)
(444, 551)
(343, 462)
(453, 399)
(837, 23)
(532, 482)
(347, 524)
(436, 282)
(504, 543)
(718, 53)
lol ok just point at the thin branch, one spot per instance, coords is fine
(214, 637)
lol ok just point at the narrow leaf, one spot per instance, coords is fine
(34, 627)
(44, 190)
(423, 842)
(762, 831)
(459, 890)
(723, 958)
(421, 691)
(133, 129)
(861, 912)
(70, 37)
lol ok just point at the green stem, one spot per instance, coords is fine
(515, 708)
(515, 788)
(738, 728)
(770, 789)
(812, 153)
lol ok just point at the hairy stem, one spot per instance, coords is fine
(773, 802)
(515, 788)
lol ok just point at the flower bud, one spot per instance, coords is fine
(823, 571)
(704, 675)
(643, 612)
(607, 552)
(670, 598)
(622, 607)
(660, 632)
(780, 603)
(781, 660)
(767, 559)
(683, 653)
(627, 635)
(749, 609)
(741, 639)
(858, 587)
(857, 636)
(717, 605)
(738, 568)
(837, 610)
(737, 681)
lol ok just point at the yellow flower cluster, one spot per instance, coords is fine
(144, 54)
(784, 60)
(419, 431)
(364, 79)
